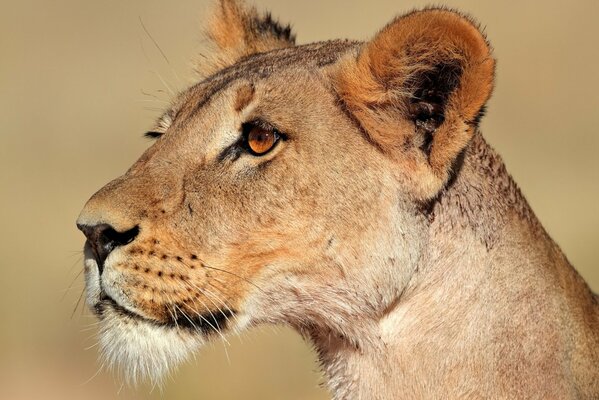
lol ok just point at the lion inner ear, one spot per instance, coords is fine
(418, 88)
(236, 31)
(427, 105)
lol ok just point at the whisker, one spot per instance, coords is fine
(172, 93)
(89, 328)
(77, 261)
(94, 375)
(153, 109)
(211, 295)
(224, 340)
(204, 291)
(173, 316)
(215, 329)
(159, 49)
(72, 282)
(92, 346)
(209, 311)
(234, 274)
(83, 309)
(205, 265)
(189, 319)
(154, 96)
(78, 301)
(152, 101)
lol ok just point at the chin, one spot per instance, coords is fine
(140, 349)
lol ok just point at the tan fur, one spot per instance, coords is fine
(380, 85)
(236, 32)
(416, 269)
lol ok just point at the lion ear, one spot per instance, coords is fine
(236, 31)
(418, 90)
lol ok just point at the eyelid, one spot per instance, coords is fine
(261, 123)
(153, 134)
(162, 125)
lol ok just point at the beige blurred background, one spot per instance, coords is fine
(78, 86)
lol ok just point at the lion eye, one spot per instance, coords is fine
(261, 140)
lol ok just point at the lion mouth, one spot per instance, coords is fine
(211, 322)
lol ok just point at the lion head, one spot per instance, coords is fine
(286, 186)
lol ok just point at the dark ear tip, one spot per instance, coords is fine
(475, 122)
(267, 25)
(236, 31)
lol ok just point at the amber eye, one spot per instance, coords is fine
(261, 140)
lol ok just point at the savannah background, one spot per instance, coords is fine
(80, 81)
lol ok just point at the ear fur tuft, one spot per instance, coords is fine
(236, 31)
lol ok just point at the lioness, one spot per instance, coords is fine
(341, 188)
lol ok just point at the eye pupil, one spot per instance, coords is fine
(260, 140)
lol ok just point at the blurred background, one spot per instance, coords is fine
(80, 81)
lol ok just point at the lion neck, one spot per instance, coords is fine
(442, 320)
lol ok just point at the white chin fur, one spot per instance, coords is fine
(141, 351)
(92, 278)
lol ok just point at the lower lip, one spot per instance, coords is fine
(206, 324)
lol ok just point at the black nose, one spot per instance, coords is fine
(103, 239)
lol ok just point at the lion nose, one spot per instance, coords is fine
(103, 238)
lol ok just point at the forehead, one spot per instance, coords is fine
(312, 57)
